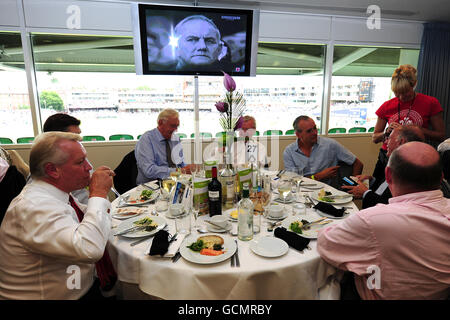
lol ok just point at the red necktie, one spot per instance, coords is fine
(105, 270)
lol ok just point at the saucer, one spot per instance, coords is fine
(277, 218)
(212, 228)
(171, 216)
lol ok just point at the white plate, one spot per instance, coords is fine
(289, 199)
(195, 257)
(269, 247)
(212, 228)
(154, 195)
(323, 214)
(284, 215)
(315, 196)
(228, 212)
(130, 223)
(316, 185)
(310, 233)
(128, 212)
(171, 216)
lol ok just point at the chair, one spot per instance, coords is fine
(273, 133)
(290, 132)
(5, 141)
(139, 136)
(121, 137)
(126, 173)
(203, 135)
(25, 140)
(357, 129)
(371, 129)
(93, 138)
(181, 135)
(337, 130)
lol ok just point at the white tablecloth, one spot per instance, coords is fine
(295, 275)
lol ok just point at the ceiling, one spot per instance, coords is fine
(415, 10)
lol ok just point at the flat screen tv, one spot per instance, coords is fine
(174, 40)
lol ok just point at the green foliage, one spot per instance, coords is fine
(51, 100)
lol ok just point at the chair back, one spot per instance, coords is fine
(181, 135)
(357, 129)
(25, 140)
(337, 130)
(126, 173)
(121, 137)
(5, 140)
(273, 133)
(371, 129)
(290, 132)
(203, 135)
(10, 186)
(94, 138)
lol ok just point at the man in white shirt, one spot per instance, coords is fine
(47, 251)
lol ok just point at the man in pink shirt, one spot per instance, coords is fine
(399, 250)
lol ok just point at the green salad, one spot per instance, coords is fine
(146, 194)
(147, 222)
(296, 226)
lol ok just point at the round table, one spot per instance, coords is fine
(295, 275)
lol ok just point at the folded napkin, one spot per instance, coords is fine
(329, 209)
(160, 243)
(173, 246)
(292, 239)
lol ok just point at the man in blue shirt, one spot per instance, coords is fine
(317, 156)
(155, 145)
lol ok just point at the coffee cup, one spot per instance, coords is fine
(220, 221)
(275, 211)
(176, 209)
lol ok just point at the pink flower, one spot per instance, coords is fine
(222, 106)
(228, 82)
(238, 124)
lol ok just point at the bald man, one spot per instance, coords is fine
(399, 250)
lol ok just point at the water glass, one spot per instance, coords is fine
(183, 223)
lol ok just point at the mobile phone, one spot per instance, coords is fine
(349, 181)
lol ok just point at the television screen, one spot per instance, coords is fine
(174, 40)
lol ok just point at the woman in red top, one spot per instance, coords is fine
(409, 107)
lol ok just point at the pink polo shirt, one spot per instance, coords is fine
(408, 241)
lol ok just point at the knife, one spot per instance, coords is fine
(236, 254)
(133, 229)
(215, 225)
(340, 196)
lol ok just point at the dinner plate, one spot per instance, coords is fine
(269, 247)
(310, 233)
(228, 212)
(315, 196)
(323, 214)
(212, 228)
(195, 257)
(128, 202)
(128, 212)
(161, 222)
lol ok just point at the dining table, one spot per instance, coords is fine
(292, 275)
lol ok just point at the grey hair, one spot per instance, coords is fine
(297, 120)
(46, 149)
(195, 17)
(166, 114)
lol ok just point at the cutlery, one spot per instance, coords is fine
(338, 196)
(115, 192)
(313, 222)
(319, 223)
(133, 229)
(238, 264)
(232, 260)
(177, 256)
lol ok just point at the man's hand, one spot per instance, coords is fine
(362, 177)
(101, 182)
(327, 173)
(187, 169)
(356, 191)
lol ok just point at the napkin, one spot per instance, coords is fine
(291, 238)
(329, 209)
(173, 246)
(160, 243)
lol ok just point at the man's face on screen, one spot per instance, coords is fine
(199, 43)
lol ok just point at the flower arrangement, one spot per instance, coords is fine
(232, 107)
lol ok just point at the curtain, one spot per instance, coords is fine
(433, 71)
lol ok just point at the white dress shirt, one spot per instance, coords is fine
(45, 252)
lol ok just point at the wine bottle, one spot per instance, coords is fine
(227, 178)
(214, 194)
(245, 215)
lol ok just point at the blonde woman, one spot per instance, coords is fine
(409, 108)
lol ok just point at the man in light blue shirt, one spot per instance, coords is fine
(317, 156)
(153, 147)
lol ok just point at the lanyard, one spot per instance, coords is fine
(410, 107)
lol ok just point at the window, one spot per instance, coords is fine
(361, 82)
(15, 113)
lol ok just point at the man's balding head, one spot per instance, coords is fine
(414, 167)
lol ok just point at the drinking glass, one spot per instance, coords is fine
(285, 189)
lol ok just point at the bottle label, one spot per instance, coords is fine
(214, 195)
(230, 190)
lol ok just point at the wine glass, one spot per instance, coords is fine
(285, 189)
